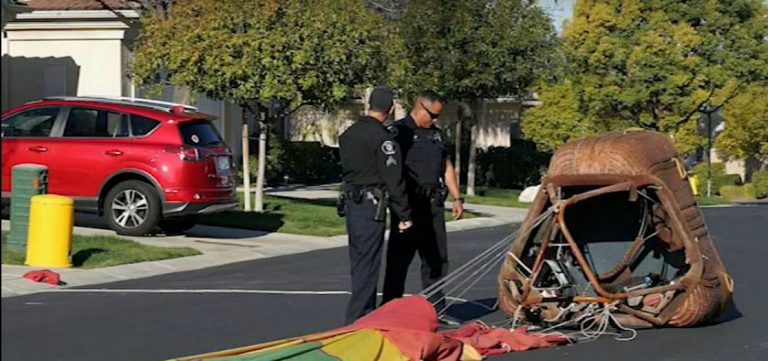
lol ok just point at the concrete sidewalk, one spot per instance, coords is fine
(219, 246)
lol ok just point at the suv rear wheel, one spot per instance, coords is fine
(132, 208)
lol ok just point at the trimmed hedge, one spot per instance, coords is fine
(505, 167)
(719, 177)
(302, 162)
(731, 192)
(760, 183)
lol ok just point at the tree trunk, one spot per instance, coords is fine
(246, 167)
(457, 163)
(262, 167)
(471, 167)
(471, 162)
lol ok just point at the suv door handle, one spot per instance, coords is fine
(38, 149)
(114, 153)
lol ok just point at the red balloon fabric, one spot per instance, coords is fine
(494, 341)
(411, 324)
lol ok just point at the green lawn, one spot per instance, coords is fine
(97, 251)
(496, 197)
(711, 201)
(286, 215)
(508, 198)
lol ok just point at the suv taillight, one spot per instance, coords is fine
(185, 152)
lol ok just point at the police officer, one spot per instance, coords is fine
(372, 177)
(429, 176)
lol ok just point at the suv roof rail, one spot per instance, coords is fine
(147, 103)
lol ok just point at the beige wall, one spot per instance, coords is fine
(311, 125)
(46, 59)
(497, 127)
(732, 166)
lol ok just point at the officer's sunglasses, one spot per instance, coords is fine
(432, 116)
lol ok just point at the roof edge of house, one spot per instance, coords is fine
(77, 14)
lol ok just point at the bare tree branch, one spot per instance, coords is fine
(736, 90)
(695, 110)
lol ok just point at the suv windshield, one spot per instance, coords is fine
(200, 133)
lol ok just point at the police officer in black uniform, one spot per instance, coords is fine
(429, 177)
(372, 177)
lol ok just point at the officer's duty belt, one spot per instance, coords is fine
(427, 192)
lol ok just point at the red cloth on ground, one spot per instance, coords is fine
(44, 276)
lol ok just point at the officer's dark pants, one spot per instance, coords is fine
(366, 237)
(428, 237)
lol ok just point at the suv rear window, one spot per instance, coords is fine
(142, 126)
(200, 133)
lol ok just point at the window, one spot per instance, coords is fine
(83, 122)
(200, 133)
(141, 126)
(36, 122)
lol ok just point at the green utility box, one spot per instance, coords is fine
(27, 180)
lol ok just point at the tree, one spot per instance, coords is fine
(264, 54)
(746, 125)
(470, 50)
(652, 64)
(563, 119)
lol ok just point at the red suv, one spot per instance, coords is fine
(140, 163)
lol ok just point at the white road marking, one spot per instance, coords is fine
(263, 292)
(235, 291)
(205, 290)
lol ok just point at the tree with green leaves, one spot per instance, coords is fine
(470, 50)
(264, 54)
(746, 126)
(651, 64)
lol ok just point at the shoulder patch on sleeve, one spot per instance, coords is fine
(388, 147)
(393, 130)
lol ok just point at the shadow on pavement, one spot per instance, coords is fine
(200, 231)
(731, 313)
(472, 309)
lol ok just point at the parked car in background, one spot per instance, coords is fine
(141, 164)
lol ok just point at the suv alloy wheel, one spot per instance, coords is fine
(132, 208)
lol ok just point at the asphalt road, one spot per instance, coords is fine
(180, 314)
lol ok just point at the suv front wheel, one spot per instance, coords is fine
(132, 208)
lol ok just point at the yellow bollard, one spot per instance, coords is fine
(49, 241)
(694, 184)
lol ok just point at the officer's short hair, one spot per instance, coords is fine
(381, 99)
(431, 96)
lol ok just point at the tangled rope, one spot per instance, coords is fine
(457, 283)
(593, 322)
